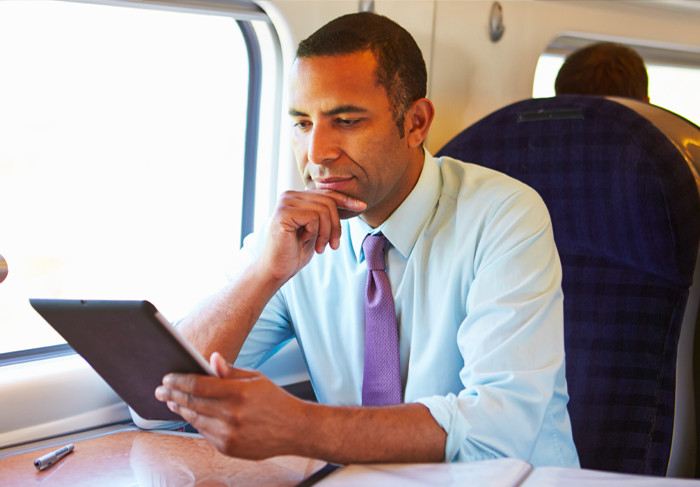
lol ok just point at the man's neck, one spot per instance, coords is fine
(413, 172)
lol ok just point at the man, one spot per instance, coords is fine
(605, 69)
(475, 369)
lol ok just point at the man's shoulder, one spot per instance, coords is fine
(464, 180)
(476, 192)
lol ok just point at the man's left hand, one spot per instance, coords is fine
(240, 413)
(243, 414)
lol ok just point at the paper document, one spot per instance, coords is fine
(504, 472)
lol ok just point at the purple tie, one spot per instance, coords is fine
(382, 379)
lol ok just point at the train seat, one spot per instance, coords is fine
(619, 178)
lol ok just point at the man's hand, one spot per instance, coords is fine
(304, 222)
(240, 413)
(243, 414)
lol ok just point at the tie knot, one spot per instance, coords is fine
(373, 247)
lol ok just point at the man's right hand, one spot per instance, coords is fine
(304, 222)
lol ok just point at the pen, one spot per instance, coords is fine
(318, 476)
(50, 458)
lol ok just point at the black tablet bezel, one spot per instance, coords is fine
(128, 343)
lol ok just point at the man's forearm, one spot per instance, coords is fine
(395, 434)
(223, 322)
(243, 414)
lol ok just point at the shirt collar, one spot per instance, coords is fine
(404, 225)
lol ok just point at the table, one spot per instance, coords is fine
(145, 459)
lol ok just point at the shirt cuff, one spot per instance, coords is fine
(445, 410)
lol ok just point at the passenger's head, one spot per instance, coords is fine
(357, 101)
(605, 69)
(400, 69)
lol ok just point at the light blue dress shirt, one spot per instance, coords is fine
(476, 280)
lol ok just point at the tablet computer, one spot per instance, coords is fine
(130, 345)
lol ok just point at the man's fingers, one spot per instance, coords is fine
(314, 218)
(186, 414)
(196, 391)
(207, 426)
(194, 384)
(189, 405)
(343, 202)
(346, 202)
(234, 412)
(186, 399)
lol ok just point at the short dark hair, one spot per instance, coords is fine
(607, 69)
(400, 66)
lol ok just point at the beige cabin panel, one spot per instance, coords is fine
(472, 76)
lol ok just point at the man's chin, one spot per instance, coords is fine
(345, 214)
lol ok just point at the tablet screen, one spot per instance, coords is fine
(128, 343)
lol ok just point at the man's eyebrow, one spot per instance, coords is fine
(293, 112)
(345, 109)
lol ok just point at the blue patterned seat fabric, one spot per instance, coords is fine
(626, 219)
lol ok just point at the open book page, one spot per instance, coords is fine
(574, 477)
(504, 472)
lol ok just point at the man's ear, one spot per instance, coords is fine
(418, 120)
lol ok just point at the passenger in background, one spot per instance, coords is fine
(605, 69)
(425, 294)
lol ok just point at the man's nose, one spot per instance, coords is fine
(323, 146)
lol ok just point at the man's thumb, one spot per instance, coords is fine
(224, 370)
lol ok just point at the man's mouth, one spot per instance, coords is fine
(332, 183)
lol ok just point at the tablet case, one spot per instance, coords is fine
(128, 343)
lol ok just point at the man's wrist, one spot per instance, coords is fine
(260, 277)
(318, 433)
(302, 438)
(354, 434)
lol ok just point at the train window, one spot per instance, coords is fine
(673, 76)
(122, 151)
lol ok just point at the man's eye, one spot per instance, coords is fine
(345, 122)
(302, 124)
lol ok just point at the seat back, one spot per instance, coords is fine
(625, 212)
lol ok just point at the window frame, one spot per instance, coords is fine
(651, 51)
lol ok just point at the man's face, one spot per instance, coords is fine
(344, 135)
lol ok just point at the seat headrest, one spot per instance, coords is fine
(615, 184)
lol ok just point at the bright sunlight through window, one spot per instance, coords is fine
(121, 157)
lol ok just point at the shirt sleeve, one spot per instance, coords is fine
(273, 329)
(512, 338)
